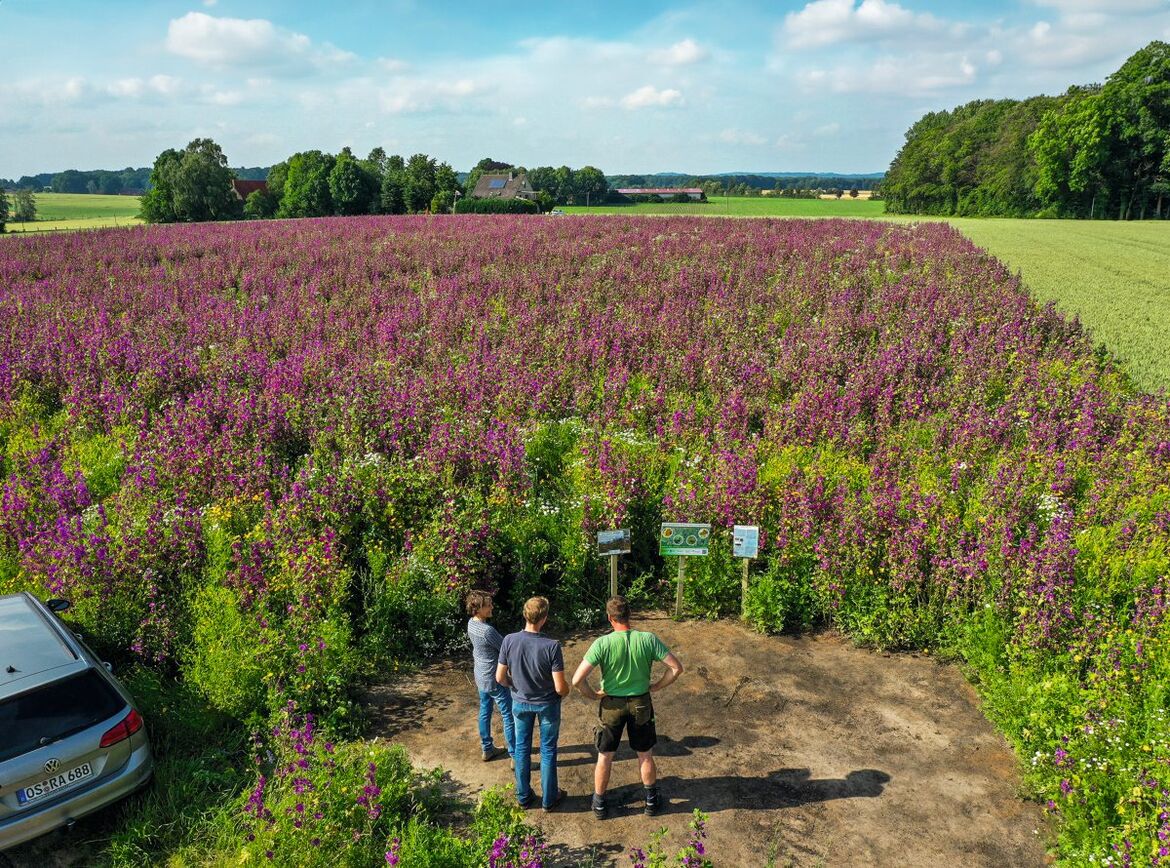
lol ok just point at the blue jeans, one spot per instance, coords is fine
(526, 714)
(501, 697)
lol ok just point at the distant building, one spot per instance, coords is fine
(243, 189)
(498, 185)
(693, 193)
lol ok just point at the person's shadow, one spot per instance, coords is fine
(784, 788)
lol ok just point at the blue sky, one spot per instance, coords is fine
(829, 85)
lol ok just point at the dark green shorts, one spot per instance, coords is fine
(635, 714)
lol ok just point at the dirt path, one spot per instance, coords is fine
(804, 752)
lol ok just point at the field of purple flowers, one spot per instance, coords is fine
(269, 458)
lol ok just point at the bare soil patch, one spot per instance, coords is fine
(803, 751)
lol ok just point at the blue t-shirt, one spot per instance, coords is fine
(531, 659)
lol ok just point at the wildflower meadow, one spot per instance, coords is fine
(265, 460)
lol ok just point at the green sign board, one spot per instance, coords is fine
(683, 539)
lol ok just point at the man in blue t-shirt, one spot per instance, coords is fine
(533, 666)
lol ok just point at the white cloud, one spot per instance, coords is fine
(681, 53)
(160, 85)
(649, 96)
(392, 64)
(733, 136)
(1113, 7)
(263, 139)
(596, 102)
(126, 87)
(165, 85)
(243, 42)
(413, 95)
(923, 75)
(225, 97)
(827, 130)
(825, 22)
(49, 92)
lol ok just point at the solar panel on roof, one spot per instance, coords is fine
(496, 183)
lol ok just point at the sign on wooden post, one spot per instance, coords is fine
(612, 543)
(745, 543)
(683, 540)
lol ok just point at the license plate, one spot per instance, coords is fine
(51, 785)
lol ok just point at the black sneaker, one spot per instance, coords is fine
(489, 755)
(600, 807)
(557, 799)
(653, 802)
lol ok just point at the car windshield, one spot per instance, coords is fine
(54, 711)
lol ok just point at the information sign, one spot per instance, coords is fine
(745, 541)
(613, 542)
(675, 539)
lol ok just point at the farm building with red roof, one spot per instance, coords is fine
(243, 189)
(693, 193)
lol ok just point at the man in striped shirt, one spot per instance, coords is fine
(485, 653)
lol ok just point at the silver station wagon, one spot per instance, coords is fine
(71, 741)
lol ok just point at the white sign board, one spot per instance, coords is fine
(613, 542)
(745, 541)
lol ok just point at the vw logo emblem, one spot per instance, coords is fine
(52, 765)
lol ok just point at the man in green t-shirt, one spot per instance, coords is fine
(624, 658)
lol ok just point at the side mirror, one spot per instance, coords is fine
(109, 667)
(58, 605)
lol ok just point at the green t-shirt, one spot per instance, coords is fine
(624, 658)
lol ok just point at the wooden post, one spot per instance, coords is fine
(744, 589)
(613, 590)
(682, 572)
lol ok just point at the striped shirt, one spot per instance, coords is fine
(485, 652)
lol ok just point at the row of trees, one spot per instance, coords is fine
(195, 184)
(317, 184)
(1096, 151)
(749, 184)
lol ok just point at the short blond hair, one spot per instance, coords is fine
(536, 609)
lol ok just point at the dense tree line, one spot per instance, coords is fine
(77, 181)
(1096, 151)
(750, 184)
(196, 184)
(105, 181)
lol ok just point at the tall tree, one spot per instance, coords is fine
(305, 191)
(393, 194)
(352, 186)
(420, 182)
(589, 185)
(3, 209)
(191, 185)
(1137, 98)
(1072, 147)
(24, 206)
